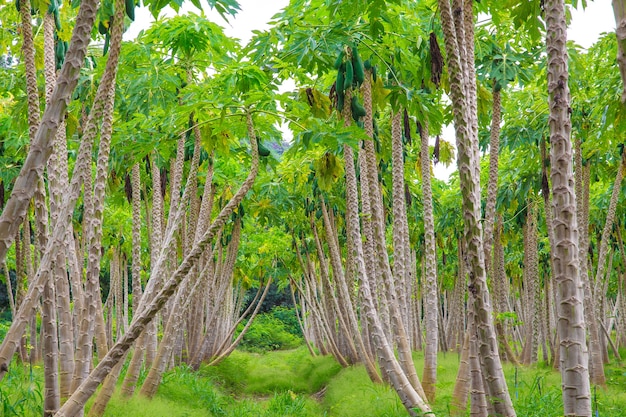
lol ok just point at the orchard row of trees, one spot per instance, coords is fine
(149, 199)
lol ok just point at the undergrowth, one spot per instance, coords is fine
(294, 384)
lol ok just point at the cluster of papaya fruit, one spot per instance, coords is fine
(53, 9)
(351, 74)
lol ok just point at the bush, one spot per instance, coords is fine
(289, 319)
(272, 331)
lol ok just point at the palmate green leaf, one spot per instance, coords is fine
(192, 38)
(225, 7)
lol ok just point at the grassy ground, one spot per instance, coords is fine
(292, 383)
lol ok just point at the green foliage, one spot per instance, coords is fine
(21, 392)
(269, 332)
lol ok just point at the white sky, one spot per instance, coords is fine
(584, 29)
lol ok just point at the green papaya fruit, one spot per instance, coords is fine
(130, 9)
(103, 30)
(347, 83)
(107, 40)
(367, 64)
(339, 59)
(339, 82)
(57, 19)
(17, 5)
(263, 151)
(59, 54)
(340, 101)
(357, 64)
(358, 110)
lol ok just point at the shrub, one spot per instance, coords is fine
(268, 332)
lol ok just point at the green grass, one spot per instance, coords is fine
(277, 371)
(21, 391)
(294, 384)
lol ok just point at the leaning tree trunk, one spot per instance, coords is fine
(24, 188)
(41, 147)
(571, 322)
(164, 352)
(387, 360)
(461, 86)
(77, 401)
(48, 310)
(382, 258)
(93, 323)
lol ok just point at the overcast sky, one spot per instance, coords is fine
(584, 29)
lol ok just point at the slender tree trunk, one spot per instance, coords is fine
(571, 328)
(596, 367)
(492, 186)
(352, 214)
(175, 320)
(500, 291)
(387, 361)
(549, 284)
(93, 322)
(478, 398)
(50, 350)
(462, 85)
(382, 258)
(431, 296)
(132, 373)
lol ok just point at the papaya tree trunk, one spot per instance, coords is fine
(570, 310)
(431, 296)
(462, 84)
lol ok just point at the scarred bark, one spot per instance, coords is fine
(41, 146)
(461, 89)
(431, 296)
(492, 186)
(581, 173)
(571, 323)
